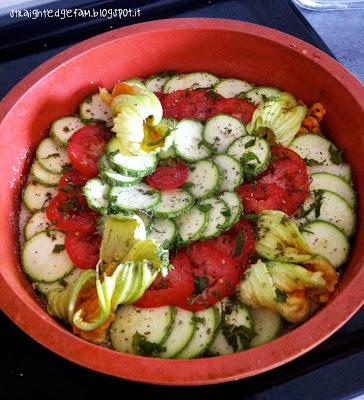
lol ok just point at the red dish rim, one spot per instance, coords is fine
(198, 371)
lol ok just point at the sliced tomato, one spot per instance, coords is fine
(215, 274)
(72, 182)
(176, 287)
(284, 186)
(238, 243)
(197, 104)
(168, 176)
(83, 249)
(236, 107)
(70, 213)
(86, 147)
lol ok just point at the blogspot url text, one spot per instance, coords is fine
(64, 13)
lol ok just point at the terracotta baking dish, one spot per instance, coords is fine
(226, 48)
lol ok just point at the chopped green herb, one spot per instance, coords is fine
(316, 205)
(216, 294)
(239, 244)
(58, 248)
(205, 207)
(251, 143)
(281, 296)
(187, 185)
(336, 156)
(143, 347)
(251, 216)
(198, 320)
(213, 95)
(201, 283)
(311, 162)
(237, 336)
(226, 213)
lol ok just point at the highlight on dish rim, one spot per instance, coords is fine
(187, 215)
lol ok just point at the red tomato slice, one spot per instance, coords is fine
(83, 249)
(197, 104)
(168, 177)
(86, 147)
(70, 213)
(72, 182)
(176, 287)
(238, 108)
(215, 274)
(238, 243)
(284, 186)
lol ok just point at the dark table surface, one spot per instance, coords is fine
(334, 370)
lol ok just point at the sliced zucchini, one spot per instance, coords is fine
(181, 334)
(261, 94)
(36, 196)
(328, 206)
(327, 240)
(97, 195)
(314, 148)
(217, 215)
(253, 152)
(173, 203)
(203, 179)
(46, 288)
(227, 340)
(231, 172)
(334, 183)
(43, 176)
(52, 157)
(156, 82)
(232, 87)
(44, 258)
(188, 140)
(133, 198)
(221, 130)
(37, 223)
(267, 326)
(153, 323)
(194, 80)
(129, 164)
(191, 225)
(235, 206)
(114, 178)
(207, 322)
(63, 128)
(163, 231)
(341, 170)
(94, 109)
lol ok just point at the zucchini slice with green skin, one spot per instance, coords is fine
(44, 258)
(94, 109)
(114, 178)
(207, 323)
(37, 196)
(97, 195)
(188, 140)
(163, 231)
(156, 82)
(46, 288)
(221, 130)
(233, 315)
(63, 128)
(129, 164)
(203, 179)
(231, 172)
(314, 148)
(43, 176)
(334, 183)
(328, 206)
(217, 215)
(260, 94)
(191, 225)
(133, 198)
(52, 157)
(341, 170)
(182, 332)
(267, 326)
(253, 152)
(173, 203)
(235, 206)
(155, 324)
(194, 80)
(327, 240)
(38, 222)
(232, 87)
